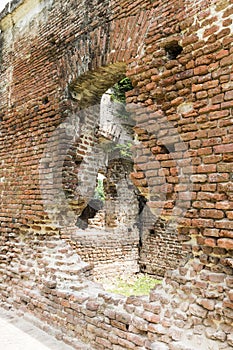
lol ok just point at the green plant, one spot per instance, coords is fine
(99, 190)
(120, 88)
(124, 149)
(139, 285)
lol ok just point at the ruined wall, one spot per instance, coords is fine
(109, 253)
(182, 105)
(161, 249)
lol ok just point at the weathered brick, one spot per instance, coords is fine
(198, 178)
(203, 222)
(207, 304)
(197, 310)
(228, 95)
(192, 91)
(210, 242)
(206, 168)
(226, 243)
(223, 148)
(106, 343)
(211, 232)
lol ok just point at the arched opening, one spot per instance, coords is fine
(116, 231)
(111, 216)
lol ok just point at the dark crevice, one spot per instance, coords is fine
(45, 100)
(173, 49)
(89, 213)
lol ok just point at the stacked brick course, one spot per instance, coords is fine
(161, 249)
(111, 254)
(182, 105)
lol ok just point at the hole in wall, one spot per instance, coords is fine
(114, 136)
(173, 49)
(89, 212)
(45, 100)
(114, 206)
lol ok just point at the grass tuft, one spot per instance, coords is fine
(137, 285)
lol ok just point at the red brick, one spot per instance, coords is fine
(229, 215)
(227, 138)
(228, 305)
(201, 70)
(228, 95)
(212, 213)
(136, 339)
(197, 87)
(168, 163)
(201, 94)
(210, 84)
(198, 178)
(227, 158)
(228, 12)
(209, 142)
(222, 53)
(224, 224)
(211, 242)
(202, 222)
(228, 104)
(203, 204)
(206, 168)
(211, 196)
(204, 151)
(106, 343)
(225, 243)
(211, 232)
(218, 98)
(226, 60)
(223, 148)
(138, 175)
(209, 187)
(218, 177)
(216, 277)
(150, 86)
(209, 109)
(212, 159)
(216, 132)
(226, 233)
(226, 205)
(219, 115)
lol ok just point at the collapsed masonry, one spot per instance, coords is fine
(57, 60)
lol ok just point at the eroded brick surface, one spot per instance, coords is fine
(182, 107)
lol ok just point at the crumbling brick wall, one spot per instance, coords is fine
(109, 253)
(178, 55)
(161, 248)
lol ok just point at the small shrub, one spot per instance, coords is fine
(120, 88)
(124, 149)
(99, 191)
(137, 285)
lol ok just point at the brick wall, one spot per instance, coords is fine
(182, 106)
(109, 253)
(161, 249)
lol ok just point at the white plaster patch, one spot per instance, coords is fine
(22, 16)
(219, 22)
(185, 107)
